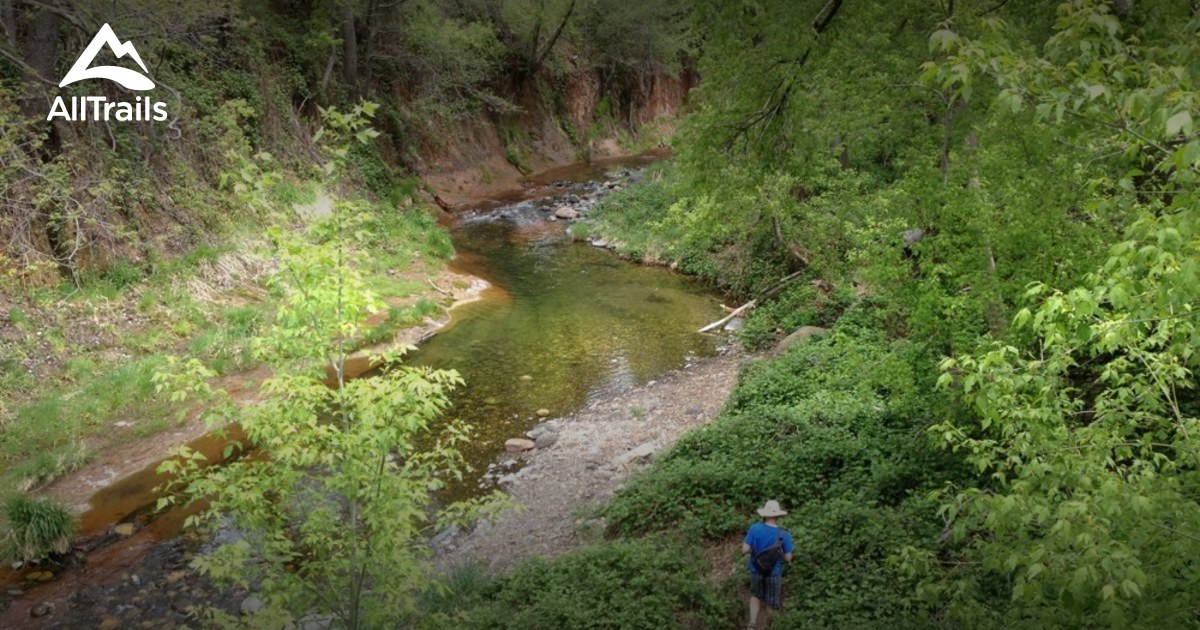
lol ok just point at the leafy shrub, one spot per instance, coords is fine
(36, 528)
(625, 584)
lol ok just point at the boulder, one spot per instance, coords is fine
(516, 445)
(565, 212)
(802, 333)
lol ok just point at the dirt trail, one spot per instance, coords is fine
(594, 452)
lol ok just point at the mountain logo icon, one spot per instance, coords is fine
(129, 79)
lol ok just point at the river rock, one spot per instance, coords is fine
(124, 529)
(641, 453)
(526, 378)
(42, 609)
(542, 413)
(40, 576)
(109, 623)
(735, 324)
(516, 445)
(546, 439)
(566, 213)
(601, 243)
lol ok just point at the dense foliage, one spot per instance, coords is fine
(1012, 186)
(651, 583)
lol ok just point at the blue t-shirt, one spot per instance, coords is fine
(759, 537)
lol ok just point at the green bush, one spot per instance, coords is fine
(654, 583)
(36, 528)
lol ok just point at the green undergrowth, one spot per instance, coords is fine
(651, 583)
(632, 218)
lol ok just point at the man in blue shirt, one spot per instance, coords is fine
(766, 588)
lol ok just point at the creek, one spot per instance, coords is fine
(564, 323)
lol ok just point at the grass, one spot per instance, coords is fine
(634, 219)
(36, 529)
(42, 441)
(47, 419)
(399, 319)
(47, 466)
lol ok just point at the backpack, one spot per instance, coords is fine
(766, 559)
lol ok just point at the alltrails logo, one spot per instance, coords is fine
(82, 108)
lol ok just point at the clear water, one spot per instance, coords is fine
(564, 324)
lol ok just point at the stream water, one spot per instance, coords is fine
(564, 323)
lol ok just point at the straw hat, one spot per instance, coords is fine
(771, 509)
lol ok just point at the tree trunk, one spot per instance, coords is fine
(349, 49)
(372, 31)
(8, 22)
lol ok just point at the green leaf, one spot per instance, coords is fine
(1181, 122)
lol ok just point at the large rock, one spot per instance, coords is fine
(516, 445)
(735, 324)
(566, 213)
(801, 334)
(641, 453)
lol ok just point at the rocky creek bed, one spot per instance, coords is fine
(584, 458)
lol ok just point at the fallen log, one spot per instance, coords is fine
(734, 313)
(766, 295)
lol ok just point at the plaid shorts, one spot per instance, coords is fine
(766, 588)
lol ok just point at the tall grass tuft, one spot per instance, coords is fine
(36, 528)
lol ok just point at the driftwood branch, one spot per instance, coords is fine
(766, 295)
(439, 289)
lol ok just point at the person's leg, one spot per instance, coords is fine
(755, 607)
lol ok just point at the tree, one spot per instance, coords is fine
(329, 492)
(1087, 434)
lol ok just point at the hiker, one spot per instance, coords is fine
(768, 545)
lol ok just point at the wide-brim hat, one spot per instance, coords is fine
(770, 509)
